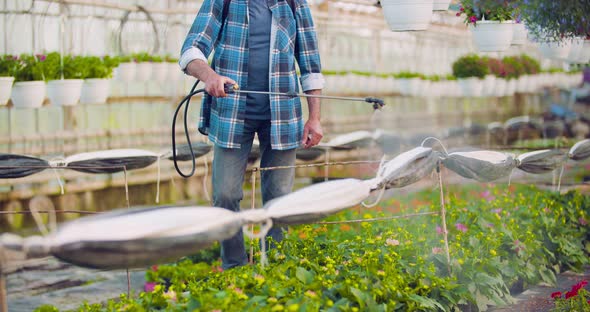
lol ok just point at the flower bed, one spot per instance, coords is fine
(501, 240)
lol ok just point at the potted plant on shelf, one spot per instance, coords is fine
(64, 74)
(404, 15)
(490, 22)
(174, 73)
(29, 87)
(126, 69)
(144, 66)
(8, 65)
(409, 83)
(96, 87)
(470, 71)
(159, 69)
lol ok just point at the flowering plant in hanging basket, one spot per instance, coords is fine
(490, 22)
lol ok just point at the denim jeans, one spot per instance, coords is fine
(229, 166)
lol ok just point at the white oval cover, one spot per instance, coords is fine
(318, 200)
(580, 150)
(481, 165)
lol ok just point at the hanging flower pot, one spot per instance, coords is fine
(519, 36)
(28, 94)
(500, 87)
(160, 72)
(441, 5)
(404, 15)
(492, 36)
(489, 85)
(555, 50)
(409, 86)
(5, 89)
(95, 91)
(471, 87)
(143, 71)
(64, 92)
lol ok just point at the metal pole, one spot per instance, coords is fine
(444, 216)
(253, 206)
(3, 299)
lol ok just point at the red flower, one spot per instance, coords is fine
(155, 268)
(570, 294)
(473, 19)
(556, 295)
(462, 9)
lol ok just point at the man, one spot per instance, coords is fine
(256, 43)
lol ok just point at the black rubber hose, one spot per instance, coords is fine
(187, 101)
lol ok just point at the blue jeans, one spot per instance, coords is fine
(229, 166)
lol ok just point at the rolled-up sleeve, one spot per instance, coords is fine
(306, 49)
(203, 33)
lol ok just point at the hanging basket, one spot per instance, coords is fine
(492, 36)
(95, 91)
(64, 92)
(405, 15)
(519, 36)
(28, 94)
(143, 71)
(555, 50)
(578, 54)
(5, 89)
(160, 72)
(441, 5)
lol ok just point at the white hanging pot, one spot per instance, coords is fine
(160, 72)
(95, 91)
(64, 92)
(555, 50)
(492, 36)
(404, 15)
(5, 89)
(28, 94)
(126, 72)
(471, 87)
(585, 53)
(510, 87)
(519, 36)
(441, 5)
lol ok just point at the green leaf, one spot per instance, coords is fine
(305, 276)
(426, 302)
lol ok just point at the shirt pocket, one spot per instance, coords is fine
(286, 34)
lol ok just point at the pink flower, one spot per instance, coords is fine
(392, 242)
(458, 14)
(439, 230)
(149, 286)
(461, 227)
(437, 250)
(582, 221)
(487, 195)
(498, 211)
(41, 57)
(473, 19)
(155, 268)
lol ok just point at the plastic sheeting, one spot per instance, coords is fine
(484, 166)
(350, 140)
(183, 152)
(111, 161)
(140, 237)
(407, 168)
(18, 166)
(317, 201)
(540, 161)
(580, 150)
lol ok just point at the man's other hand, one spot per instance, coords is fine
(312, 133)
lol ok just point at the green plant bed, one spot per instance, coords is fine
(499, 238)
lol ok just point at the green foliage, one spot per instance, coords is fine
(550, 20)
(170, 59)
(514, 67)
(126, 59)
(531, 65)
(142, 57)
(101, 68)
(408, 75)
(156, 59)
(8, 65)
(498, 237)
(489, 10)
(470, 66)
(30, 68)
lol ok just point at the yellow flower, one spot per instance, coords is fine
(493, 252)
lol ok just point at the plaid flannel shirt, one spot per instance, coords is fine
(293, 38)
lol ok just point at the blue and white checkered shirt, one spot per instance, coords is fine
(292, 39)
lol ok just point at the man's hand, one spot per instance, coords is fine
(214, 83)
(312, 133)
